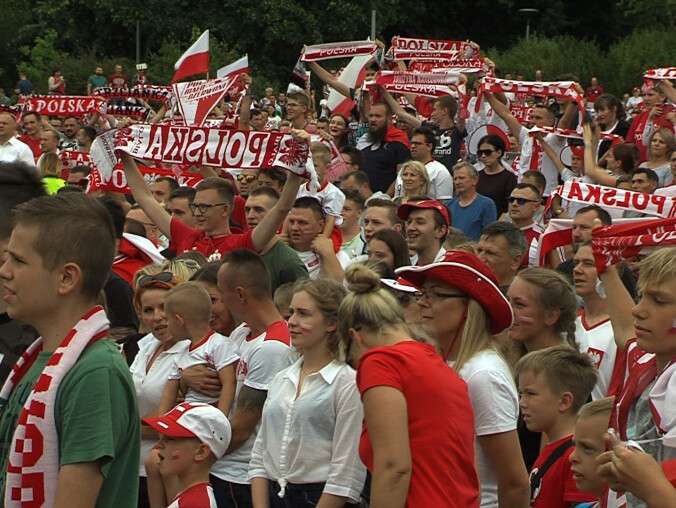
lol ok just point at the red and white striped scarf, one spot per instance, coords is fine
(64, 105)
(660, 73)
(138, 112)
(465, 65)
(33, 467)
(405, 48)
(146, 92)
(573, 134)
(559, 89)
(431, 84)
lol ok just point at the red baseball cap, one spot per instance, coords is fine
(472, 276)
(405, 209)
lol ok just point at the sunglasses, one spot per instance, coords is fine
(521, 201)
(147, 280)
(485, 151)
(246, 178)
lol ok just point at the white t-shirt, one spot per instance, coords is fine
(201, 495)
(331, 198)
(261, 358)
(215, 351)
(440, 179)
(599, 343)
(545, 164)
(149, 384)
(312, 437)
(313, 262)
(495, 402)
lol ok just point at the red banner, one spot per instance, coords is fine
(118, 182)
(70, 159)
(466, 65)
(146, 92)
(64, 105)
(563, 89)
(404, 48)
(338, 50)
(433, 84)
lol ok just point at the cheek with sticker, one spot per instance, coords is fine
(672, 330)
(175, 455)
(526, 321)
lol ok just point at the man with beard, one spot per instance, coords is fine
(384, 148)
(68, 139)
(96, 80)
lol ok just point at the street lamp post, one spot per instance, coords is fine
(528, 14)
(373, 20)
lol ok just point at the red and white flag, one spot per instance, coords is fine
(235, 70)
(195, 60)
(196, 99)
(352, 76)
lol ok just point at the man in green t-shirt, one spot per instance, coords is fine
(78, 395)
(96, 80)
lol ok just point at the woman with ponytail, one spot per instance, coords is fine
(418, 438)
(462, 307)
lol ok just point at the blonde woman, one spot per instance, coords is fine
(50, 169)
(306, 452)
(462, 307)
(418, 440)
(414, 181)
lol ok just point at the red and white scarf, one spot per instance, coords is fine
(464, 65)
(431, 84)
(560, 89)
(33, 468)
(64, 105)
(405, 48)
(146, 92)
(573, 134)
(611, 244)
(138, 112)
(118, 182)
(660, 73)
(199, 146)
(338, 50)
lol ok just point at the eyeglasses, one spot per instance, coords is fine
(485, 152)
(203, 207)
(146, 280)
(432, 296)
(521, 201)
(246, 178)
(291, 105)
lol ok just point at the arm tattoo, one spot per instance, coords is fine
(250, 399)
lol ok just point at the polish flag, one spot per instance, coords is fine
(195, 60)
(241, 66)
(353, 76)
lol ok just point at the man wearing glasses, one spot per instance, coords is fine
(211, 209)
(524, 202)
(297, 109)
(247, 181)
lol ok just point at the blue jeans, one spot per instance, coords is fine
(231, 495)
(304, 495)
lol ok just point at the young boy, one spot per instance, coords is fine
(554, 383)
(590, 427)
(188, 311)
(69, 422)
(193, 437)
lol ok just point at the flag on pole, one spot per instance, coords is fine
(195, 60)
(236, 68)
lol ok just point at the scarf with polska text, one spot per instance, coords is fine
(331, 50)
(405, 48)
(138, 112)
(33, 465)
(464, 65)
(611, 244)
(118, 182)
(660, 73)
(146, 92)
(65, 105)
(200, 146)
(562, 89)
(432, 84)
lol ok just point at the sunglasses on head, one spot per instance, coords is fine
(246, 178)
(146, 280)
(521, 201)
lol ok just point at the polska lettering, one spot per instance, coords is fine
(64, 105)
(337, 50)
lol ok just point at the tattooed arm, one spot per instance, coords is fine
(249, 410)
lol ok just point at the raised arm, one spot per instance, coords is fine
(398, 110)
(268, 227)
(141, 192)
(326, 77)
(599, 175)
(503, 112)
(620, 305)
(245, 109)
(540, 136)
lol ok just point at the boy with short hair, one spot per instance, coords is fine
(554, 383)
(590, 427)
(193, 437)
(69, 422)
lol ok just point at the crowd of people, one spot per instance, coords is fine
(395, 332)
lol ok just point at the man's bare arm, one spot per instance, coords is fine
(247, 415)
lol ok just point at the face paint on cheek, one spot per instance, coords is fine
(305, 327)
(175, 455)
(673, 326)
(526, 321)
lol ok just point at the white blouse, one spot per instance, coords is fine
(313, 438)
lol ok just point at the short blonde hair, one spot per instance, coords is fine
(321, 152)
(564, 369)
(658, 267)
(419, 169)
(190, 300)
(600, 407)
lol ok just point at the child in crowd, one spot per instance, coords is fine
(554, 383)
(188, 311)
(283, 297)
(590, 426)
(193, 437)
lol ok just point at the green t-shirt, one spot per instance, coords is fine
(284, 265)
(96, 418)
(97, 81)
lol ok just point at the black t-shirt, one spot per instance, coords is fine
(498, 187)
(381, 161)
(120, 302)
(449, 143)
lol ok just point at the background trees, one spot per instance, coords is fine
(615, 40)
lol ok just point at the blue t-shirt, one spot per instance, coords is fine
(471, 219)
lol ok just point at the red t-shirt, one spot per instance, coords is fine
(635, 134)
(33, 144)
(197, 496)
(129, 260)
(185, 238)
(440, 423)
(593, 93)
(117, 80)
(558, 487)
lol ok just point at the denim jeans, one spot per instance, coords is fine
(231, 495)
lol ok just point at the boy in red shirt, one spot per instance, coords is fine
(554, 383)
(193, 436)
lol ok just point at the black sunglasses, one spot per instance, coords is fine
(146, 280)
(521, 201)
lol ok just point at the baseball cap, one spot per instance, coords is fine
(192, 419)
(405, 209)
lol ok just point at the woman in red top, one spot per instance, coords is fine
(418, 437)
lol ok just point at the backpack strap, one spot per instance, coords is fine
(537, 474)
